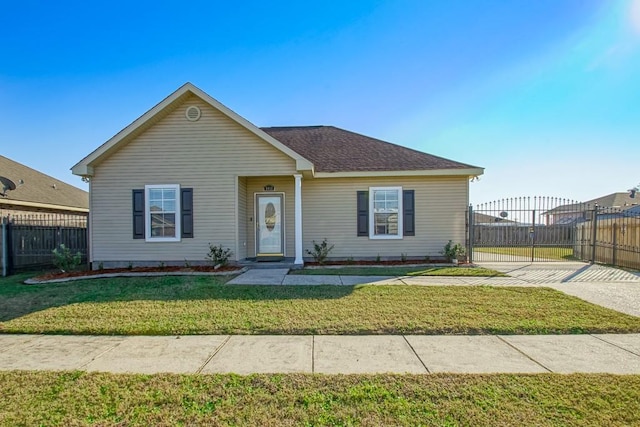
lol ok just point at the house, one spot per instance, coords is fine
(190, 172)
(38, 194)
(610, 204)
(484, 219)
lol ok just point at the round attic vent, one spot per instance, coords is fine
(193, 113)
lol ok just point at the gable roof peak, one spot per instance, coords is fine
(85, 166)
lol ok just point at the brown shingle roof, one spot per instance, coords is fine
(40, 188)
(333, 149)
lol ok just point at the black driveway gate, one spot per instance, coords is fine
(524, 229)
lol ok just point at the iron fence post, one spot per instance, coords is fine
(470, 231)
(533, 234)
(5, 248)
(594, 233)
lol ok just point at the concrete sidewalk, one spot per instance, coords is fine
(326, 354)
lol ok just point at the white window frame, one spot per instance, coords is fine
(147, 213)
(372, 234)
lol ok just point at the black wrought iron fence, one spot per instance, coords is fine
(27, 241)
(535, 229)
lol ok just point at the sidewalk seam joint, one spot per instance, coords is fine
(216, 351)
(522, 352)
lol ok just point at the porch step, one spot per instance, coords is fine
(267, 265)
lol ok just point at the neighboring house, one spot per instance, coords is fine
(190, 172)
(580, 212)
(484, 219)
(37, 193)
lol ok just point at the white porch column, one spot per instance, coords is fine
(298, 218)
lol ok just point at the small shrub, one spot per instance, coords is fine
(427, 258)
(187, 264)
(161, 265)
(403, 257)
(65, 260)
(101, 266)
(130, 266)
(378, 258)
(320, 251)
(218, 255)
(350, 261)
(452, 251)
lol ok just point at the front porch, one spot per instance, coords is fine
(269, 219)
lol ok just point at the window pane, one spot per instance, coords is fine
(169, 206)
(169, 193)
(155, 194)
(163, 225)
(385, 224)
(155, 206)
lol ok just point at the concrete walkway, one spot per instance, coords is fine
(618, 354)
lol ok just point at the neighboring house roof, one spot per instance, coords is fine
(480, 218)
(325, 151)
(614, 200)
(36, 190)
(332, 149)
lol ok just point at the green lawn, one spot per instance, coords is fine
(204, 305)
(76, 398)
(400, 271)
(550, 253)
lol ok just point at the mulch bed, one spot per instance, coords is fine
(200, 268)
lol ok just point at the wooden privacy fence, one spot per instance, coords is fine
(29, 240)
(617, 240)
(502, 234)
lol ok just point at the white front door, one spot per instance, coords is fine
(269, 225)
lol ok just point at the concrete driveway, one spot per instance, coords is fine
(606, 286)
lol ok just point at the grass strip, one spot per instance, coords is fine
(203, 305)
(550, 253)
(401, 271)
(77, 398)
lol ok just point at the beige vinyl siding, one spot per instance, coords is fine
(207, 155)
(283, 184)
(329, 211)
(242, 218)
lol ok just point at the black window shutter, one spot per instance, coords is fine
(138, 214)
(186, 206)
(409, 214)
(363, 213)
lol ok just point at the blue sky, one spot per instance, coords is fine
(544, 94)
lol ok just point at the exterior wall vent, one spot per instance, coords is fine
(193, 113)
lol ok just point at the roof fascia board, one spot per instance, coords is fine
(434, 172)
(42, 205)
(84, 167)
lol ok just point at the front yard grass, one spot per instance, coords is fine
(550, 252)
(77, 398)
(204, 305)
(400, 271)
